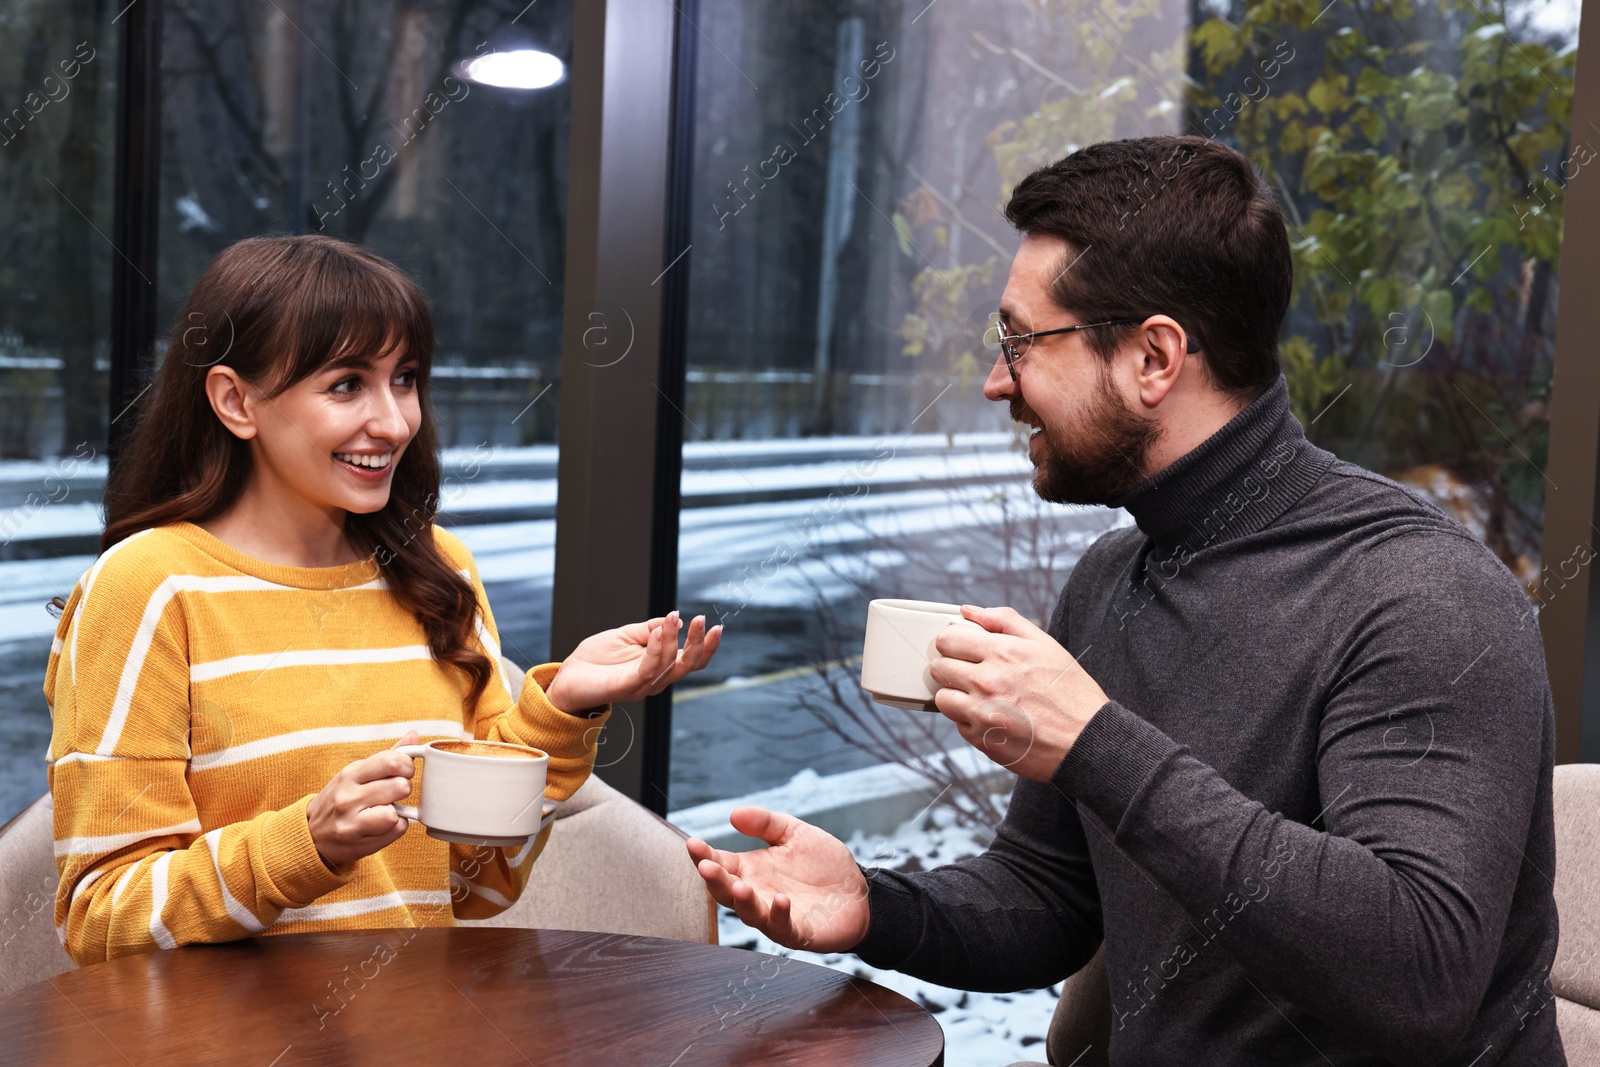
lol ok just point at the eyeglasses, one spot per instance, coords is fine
(1015, 345)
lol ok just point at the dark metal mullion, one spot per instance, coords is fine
(1569, 618)
(135, 211)
(664, 531)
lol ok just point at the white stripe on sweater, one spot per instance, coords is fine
(148, 624)
(329, 735)
(88, 582)
(488, 894)
(345, 909)
(307, 657)
(85, 882)
(92, 846)
(236, 911)
(158, 900)
(122, 883)
(79, 757)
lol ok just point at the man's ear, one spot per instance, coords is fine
(1162, 354)
(230, 399)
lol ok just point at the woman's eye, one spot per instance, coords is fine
(408, 378)
(338, 388)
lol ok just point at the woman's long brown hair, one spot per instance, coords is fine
(277, 309)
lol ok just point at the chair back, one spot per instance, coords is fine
(30, 951)
(1575, 975)
(1080, 1031)
(611, 865)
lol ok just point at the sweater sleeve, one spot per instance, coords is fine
(1023, 915)
(487, 880)
(136, 870)
(1385, 921)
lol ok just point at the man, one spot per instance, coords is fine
(1286, 746)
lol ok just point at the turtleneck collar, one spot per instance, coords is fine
(1235, 482)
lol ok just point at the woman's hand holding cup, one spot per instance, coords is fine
(354, 816)
(631, 662)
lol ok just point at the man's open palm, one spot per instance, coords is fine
(803, 890)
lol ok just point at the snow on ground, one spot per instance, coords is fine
(980, 1029)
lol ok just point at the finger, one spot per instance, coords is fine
(693, 643)
(952, 673)
(687, 658)
(387, 764)
(713, 642)
(954, 705)
(1000, 620)
(749, 907)
(379, 822)
(659, 659)
(719, 883)
(411, 738)
(670, 631)
(700, 850)
(963, 642)
(780, 922)
(773, 827)
(382, 792)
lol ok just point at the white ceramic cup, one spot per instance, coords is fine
(899, 647)
(480, 799)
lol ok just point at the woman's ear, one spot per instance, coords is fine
(229, 399)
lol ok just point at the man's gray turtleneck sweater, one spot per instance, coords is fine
(1312, 823)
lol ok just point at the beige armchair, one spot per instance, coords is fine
(1080, 1031)
(610, 865)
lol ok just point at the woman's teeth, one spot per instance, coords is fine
(372, 462)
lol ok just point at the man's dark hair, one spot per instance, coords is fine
(1179, 226)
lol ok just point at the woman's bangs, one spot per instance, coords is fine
(353, 308)
(386, 314)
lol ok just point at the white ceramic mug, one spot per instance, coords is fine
(479, 799)
(899, 648)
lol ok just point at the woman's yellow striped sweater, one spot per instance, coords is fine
(201, 698)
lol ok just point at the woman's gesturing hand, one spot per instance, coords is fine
(631, 662)
(354, 816)
(803, 890)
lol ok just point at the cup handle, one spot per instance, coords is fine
(406, 811)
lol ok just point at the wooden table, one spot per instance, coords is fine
(467, 997)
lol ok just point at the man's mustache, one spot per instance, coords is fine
(1021, 412)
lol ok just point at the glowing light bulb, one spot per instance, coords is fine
(525, 68)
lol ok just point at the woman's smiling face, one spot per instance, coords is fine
(331, 440)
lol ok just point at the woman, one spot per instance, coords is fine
(273, 610)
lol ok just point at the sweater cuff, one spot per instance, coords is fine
(572, 741)
(894, 926)
(1111, 761)
(293, 865)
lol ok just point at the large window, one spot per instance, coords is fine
(58, 68)
(359, 120)
(849, 161)
(363, 121)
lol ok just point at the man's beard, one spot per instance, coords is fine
(1096, 461)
